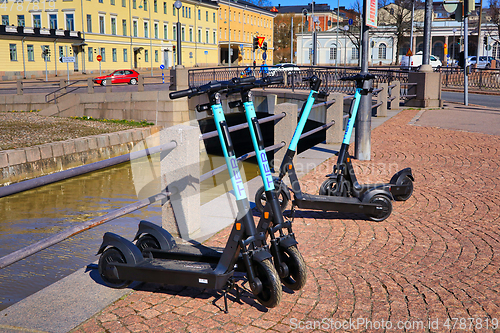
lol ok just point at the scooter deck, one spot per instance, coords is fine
(176, 272)
(339, 204)
(198, 253)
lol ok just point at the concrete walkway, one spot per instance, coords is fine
(436, 257)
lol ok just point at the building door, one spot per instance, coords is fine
(165, 58)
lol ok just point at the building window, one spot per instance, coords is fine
(124, 27)
(206, 15)
(102, 52)
(174, 11)
(101, 24)
(156, 30)
(124, 3)
(165, 31)
(146, 29)
(333, 53)
(189, 10)
(183, 11)
(89, 23)
(61, 51)
(146, 55)
(310, 53)
(13, 52)
(199, 36)
(31, 53)
(145, 6)
(134, 4)
(53, 21)
(113, 25)
(183, 34)
(206, 37)
(37, 21)
(156, 55)
(214, 36)
(190, 34)
(125, 55)
(382, 51)
(214, 17)
(134, 27)
(164, 8)
(114, 54)
(354, 53)
(5, 20)
(496, 50)
(112, 2)
(174, 31)
(91, 54)
(155, 6)
(199, 14)
(20, 20)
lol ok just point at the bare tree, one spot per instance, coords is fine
(398, 13)
(261, 3)
(282, 38)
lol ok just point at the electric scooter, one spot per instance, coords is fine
(287, 259)
(122, 262)
(341, 192)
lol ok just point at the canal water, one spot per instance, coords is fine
(33, 215)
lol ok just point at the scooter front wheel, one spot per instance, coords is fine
(108, 272)
(386, 210)
(261, 200)
(297, 268)
(328, 187)
(271, 292)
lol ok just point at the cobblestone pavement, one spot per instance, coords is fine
(436, 257)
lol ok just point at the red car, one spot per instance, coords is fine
(120, 76)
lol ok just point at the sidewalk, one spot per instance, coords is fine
(437, 256)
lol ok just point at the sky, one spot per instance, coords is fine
(332, 3)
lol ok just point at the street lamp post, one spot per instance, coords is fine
(346, 28)
(453, 48)
(304, 13)
(178, 5)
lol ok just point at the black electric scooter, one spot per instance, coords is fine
(122, 262)
(341, 192)
(287, 259)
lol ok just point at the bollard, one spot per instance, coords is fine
(90, 86)
(108, 85)
(179, 79)
(335, 112)
(140, 83)
(382, 98)
(180, 174)
(19, 87)
(395, 92)
(283, 130)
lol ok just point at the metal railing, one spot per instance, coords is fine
(64, 91)
(482, 79)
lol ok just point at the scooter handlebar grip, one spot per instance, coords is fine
(182, 93)
(276, 79)
(244, 80)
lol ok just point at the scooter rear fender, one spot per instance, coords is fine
(131, 253)
(371, 193)
(400, 175)
(164, 238)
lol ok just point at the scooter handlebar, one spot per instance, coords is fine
(182, 93)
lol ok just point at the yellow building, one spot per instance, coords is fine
(239, 22)
(136, 34)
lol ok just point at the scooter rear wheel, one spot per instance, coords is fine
(405, 181)
(109, 256)
(271, 293)
(147, 242)
(297, 268)
(261, 200)
(386, 210)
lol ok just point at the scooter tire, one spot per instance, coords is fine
(297, 268)
(261, 200)
(109, 256)
(386, 202)
(405, 181)
(328, 187)
(146, 242)
(272, 291)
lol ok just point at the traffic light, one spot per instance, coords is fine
(255, 43)
(264, 46)
(457, 16)
(469, 6)
(485, 40)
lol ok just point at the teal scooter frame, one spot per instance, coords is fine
(341, 192)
